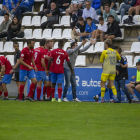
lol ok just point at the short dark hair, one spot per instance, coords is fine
(108, 42)
(111, 16)
(73, 43)
(101, 18)
(107, 4)
(42, 42)
(29, 41)
(115, 47)
(80, 18)
(138, 63)
(120, 51)
(60, 43)
(16, 43)
(88, 1)
(6, 14)
(89, 18)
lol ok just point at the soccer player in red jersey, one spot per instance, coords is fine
(6, 68)
(46, 78)
(57, 58)
(38, 54)
(26, 70)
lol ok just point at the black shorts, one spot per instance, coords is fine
(17, 76)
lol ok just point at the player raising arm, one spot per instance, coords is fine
(58, 56)
(109, 59)
(26, 70)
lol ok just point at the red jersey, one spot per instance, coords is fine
(46, 52)
(38, 54)
(58, 56)
(27, 56)
(4, 61)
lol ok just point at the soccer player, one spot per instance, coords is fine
(38, 54)
(47, 78)
(73, 52)
(26, 70)
(135, 85)
(109, 59)
(16, 67)
(5, 71)
(58, 56)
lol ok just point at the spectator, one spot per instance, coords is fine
(90, 27)
(82, 3)
(96, 4)
(112, 5)
(121, 76)
(135, 8)
(52, 16)
(47, 6)
(78, 29)
(76, 13)
(90, 12)
(113, 30)
(135, 85)
(9, 6)
(108, 12)
(101, 29)
(25, 6)
(13, 29)
(63, 5)
(4, 26)
(71, 8)
(125, 7)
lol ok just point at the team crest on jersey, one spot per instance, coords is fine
(22, 55)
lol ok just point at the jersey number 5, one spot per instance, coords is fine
(58, 60)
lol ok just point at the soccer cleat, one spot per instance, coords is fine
(59, 100)
(27, 98)
(76, 100)
(65, 100)
(130, 101)
(39, 99)
(96, 98)
(135, 99)
(17, 98)
(31, 99)
(54, 100)
(5, 98)
(101, 101)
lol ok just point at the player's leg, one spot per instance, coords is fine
(22, 79)
(39, 83)
(17, 83)
(111, 37)
(53, 81)
(1, 90)
(67, 74)
(117, 85)
(6, 80)
(60, 80)
(31, 75)
(137, 89)
(122, 86)
(131, 88)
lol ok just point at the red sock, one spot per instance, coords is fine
(59, 92)
(48, 92)
(0, 93)
(6, 94)
(21, 89)
(32, 88)
(52, 92)
(38, 92)
(44, 90)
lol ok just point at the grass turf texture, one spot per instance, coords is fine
(69, 121)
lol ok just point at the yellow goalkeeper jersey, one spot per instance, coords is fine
(109, 59)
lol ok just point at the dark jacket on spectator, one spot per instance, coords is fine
(55, 14)
(114, 29)
(14, 28)
(61, 2)
(103, 2)
(133, 2)
(96, 4)
(75, 17)
(48, 5)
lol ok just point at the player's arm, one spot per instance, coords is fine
(102, 57)
(23, 63)
(2, 70)
(125, 65)
(44, 65)
(69, 65)
(49, 64)
(15, 66)
(118, 56)
(33, 62)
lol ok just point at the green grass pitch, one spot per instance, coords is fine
(69, 121)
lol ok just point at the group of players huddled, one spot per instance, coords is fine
(43, 65)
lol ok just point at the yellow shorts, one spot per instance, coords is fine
(105, 77)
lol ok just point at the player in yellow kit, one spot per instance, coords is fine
(109, 59)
